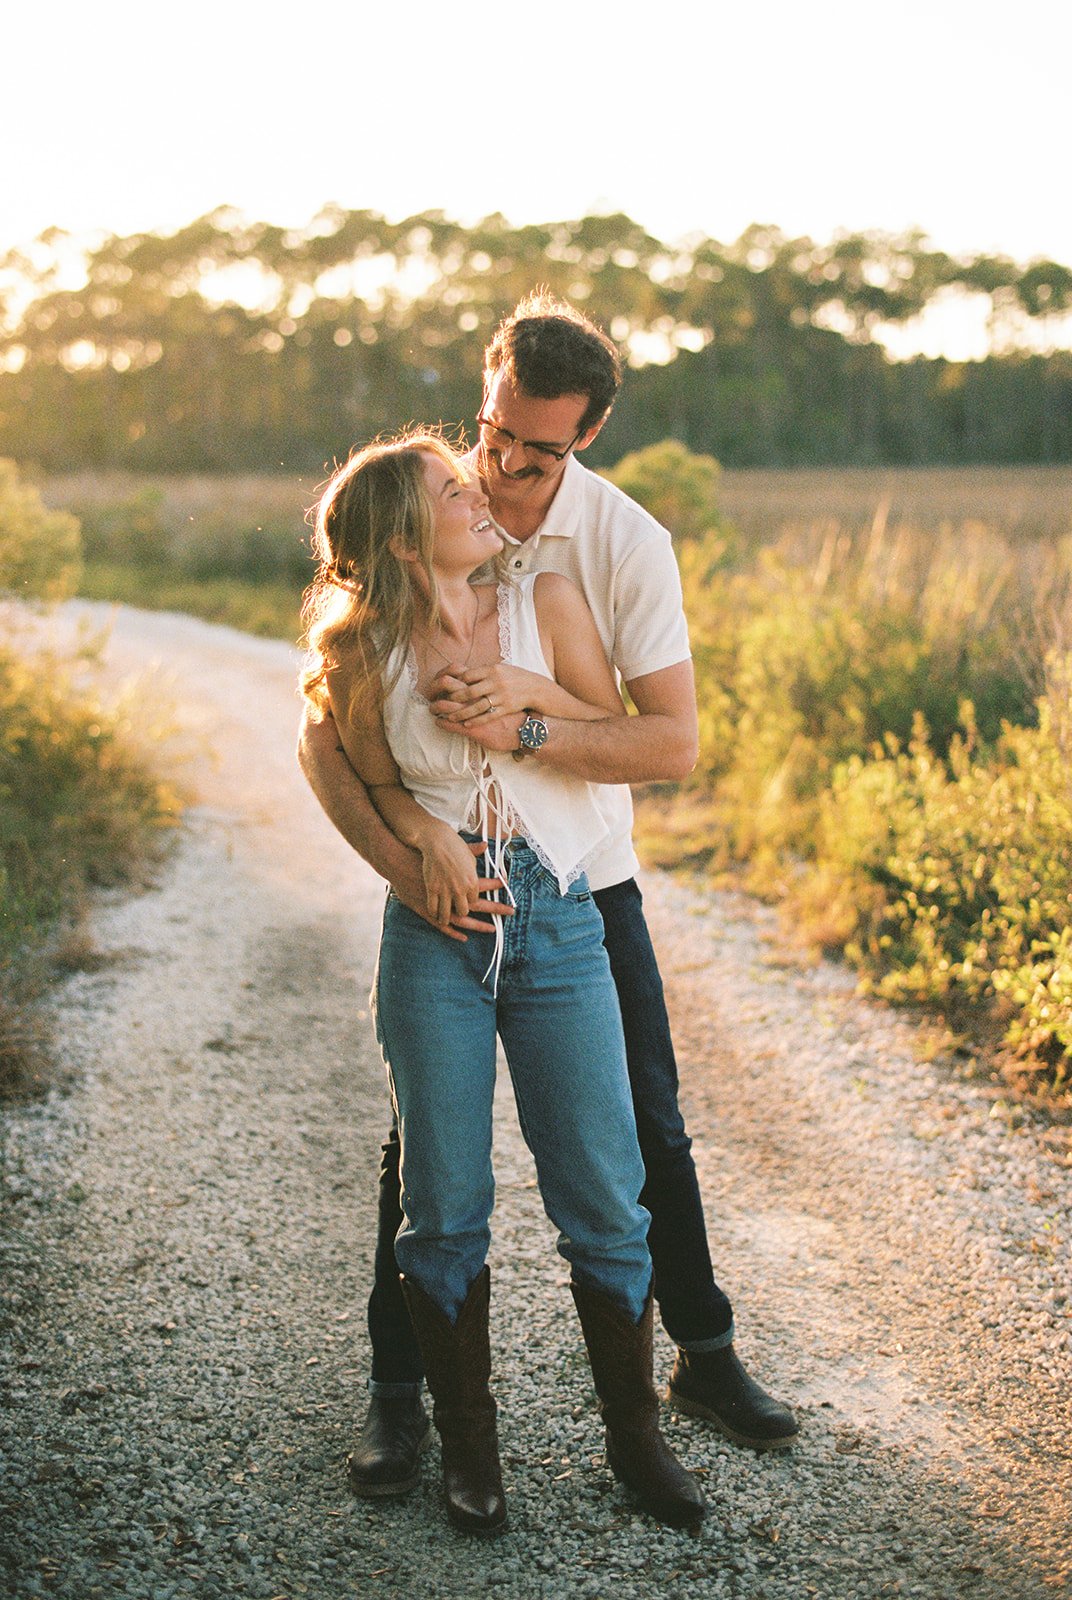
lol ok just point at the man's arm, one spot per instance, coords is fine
(347, 805)
(660, 744)
(345, 800)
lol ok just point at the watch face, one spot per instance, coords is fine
(532, 733)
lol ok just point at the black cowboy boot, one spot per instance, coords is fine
(386, 1459)
(713, 1384)
(457, 1361)
(620, 1352)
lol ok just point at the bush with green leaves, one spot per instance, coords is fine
(75, 801)
(793, 681)
(954, 877)
(40, 550)
(130, 529)
(679, 489)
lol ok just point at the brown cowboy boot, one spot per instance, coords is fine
(457, 1363)
(620, 1352)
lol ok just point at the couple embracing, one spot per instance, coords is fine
(469, 625)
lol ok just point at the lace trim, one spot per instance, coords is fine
(412, 678)
(548, 865)
(502, 602)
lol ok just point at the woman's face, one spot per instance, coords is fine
(465, 536)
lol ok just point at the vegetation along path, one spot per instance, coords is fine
(187, 1237)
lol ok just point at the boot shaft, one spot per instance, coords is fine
(620, 1354)
(457, 1356)
(620, 1351)
(457, 1361)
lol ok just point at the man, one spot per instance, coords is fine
(551, 378)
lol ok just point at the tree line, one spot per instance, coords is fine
(235, 345)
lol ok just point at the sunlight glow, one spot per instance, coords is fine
(850, 154)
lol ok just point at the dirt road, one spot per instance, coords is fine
(187, 1238)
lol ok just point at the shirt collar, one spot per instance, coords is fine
(564, 513)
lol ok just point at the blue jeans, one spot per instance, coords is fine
(557, 1014)
(695, 1312)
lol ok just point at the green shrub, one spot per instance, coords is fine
(792, 682)
(76, 804)
(40, 550)
(271, 610)
(959, 874)
(130, 530)
(679, 489)
(145, 533)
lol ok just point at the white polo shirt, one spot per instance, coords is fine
(622, 561)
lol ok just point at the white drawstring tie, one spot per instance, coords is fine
(492, 803)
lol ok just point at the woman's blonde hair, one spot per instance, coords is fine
(363, 597)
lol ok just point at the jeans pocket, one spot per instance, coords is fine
(578, 891)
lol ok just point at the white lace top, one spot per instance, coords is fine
(462, 784)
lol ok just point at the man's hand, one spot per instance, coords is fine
(478, 694)
(491, 733)
(656, 746)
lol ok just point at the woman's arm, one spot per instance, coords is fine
(574, 649)
(449, 865)
(584, 688)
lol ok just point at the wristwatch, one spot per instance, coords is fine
(531, 735)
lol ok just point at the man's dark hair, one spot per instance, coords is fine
(548, 349)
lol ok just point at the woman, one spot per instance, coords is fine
(393, 622)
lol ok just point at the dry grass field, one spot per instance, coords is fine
(239, 500)
(1015, 503)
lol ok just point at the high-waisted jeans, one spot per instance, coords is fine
(557, 1014)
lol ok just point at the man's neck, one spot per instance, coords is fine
(522, 513)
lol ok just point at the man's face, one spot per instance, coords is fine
(506, 462)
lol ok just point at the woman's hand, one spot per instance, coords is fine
(476, 695)
(451, 884)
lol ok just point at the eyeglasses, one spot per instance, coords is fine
(502, 439)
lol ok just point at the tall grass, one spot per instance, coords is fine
(78, 804)
(1021, 504)
(79, 807)
(886, 726)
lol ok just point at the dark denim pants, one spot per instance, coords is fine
(695, 1311)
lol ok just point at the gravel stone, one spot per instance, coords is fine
(186, 1242)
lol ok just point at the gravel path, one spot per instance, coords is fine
(186, 1241)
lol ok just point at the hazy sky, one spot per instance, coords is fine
(950, 114)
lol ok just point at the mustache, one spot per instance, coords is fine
(495, 456)
(516, 477)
